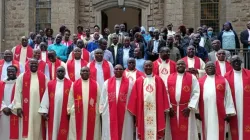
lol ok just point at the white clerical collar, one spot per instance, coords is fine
(190, 58)
(118, 78)
(210, 76)
(85, 80)
(9, 81)
(180, 73)
(151, 75)
(240, 71)
(221, 61)
(59, 80)
(99, 62)
(7, 62)
(78, 60)
(131, 70)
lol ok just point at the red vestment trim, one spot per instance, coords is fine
(117, 108)
(26, 100)
(172, 66)
(220, 85)
(197, 63)
(41, 66)
(105, 67)
(71, 68)
(57, 64)
(85, 55)
(77, 89)
(217, 66)
(179, 130)
(14, 62)
(18, 52)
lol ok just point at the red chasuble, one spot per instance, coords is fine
(179, 130)
(220, 85)
(156, 66)
(246, 99)
(77, 90)
(85, 55)
(26, 98)
(138, 74)
(71, 68)
(105, 67)
(14, 123)
(136, 106)
(41, 66)
(64, 122)
(197, 63)
(47, 59)
(56, 64)
(117, 108)
(18, 52)
(14, 62)
(217, 66)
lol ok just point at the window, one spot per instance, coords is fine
(210, 14)
(43, 14)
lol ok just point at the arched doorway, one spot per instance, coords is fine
(129, 16)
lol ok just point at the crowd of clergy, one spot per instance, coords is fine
(164, 85)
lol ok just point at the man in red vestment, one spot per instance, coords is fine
(54, 63)
(30, 87)
(148, 103)
(54, 106)
(163, 66)
(44, 53)
(239, 81)
(222, 65)
(131, 72)
(22, 52)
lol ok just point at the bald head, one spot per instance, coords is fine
(37, 54)
(33, 63)
(148, 67)
(85, 72)
(60, 72)
(24, 41)
(180, 66)
(43, 46)
(8, 56)
(210, 68)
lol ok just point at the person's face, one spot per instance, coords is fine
(52, 57)
(190, 51)
(85, 73)
(216, 45)
(103, 45)
(156, 34)
(8, 56)
(75, 38)
(248, 25)
(43, 47)
(79, 30)
(67, 35)
(226, 27)
(169, 27)
(87, 31)
(126, 42)
(49, 33)
(37, 54)
(24, 42)
(33, 66)
(96, 29)
(60, 73)
(170, 40)
(80, 44)
(177, 37)
(164, 54)
(77, 54)
(58, 39)
(96, 36)
(197, 38)
(131, 64)
(139, 38)
(221, 55)
(148, 68)
(131, 31)
(106, 31)
(151, 33)
(181, 66)
(236, 64)
(11, 73)
(117, 28)
(122, 27)
(199, 30)
(118, 71)
(210, 69)
(136, 52)
(115, 40)
(41, 32)
(99, 56)
(38, 39)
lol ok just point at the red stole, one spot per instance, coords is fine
(197, 63)
(180, 130)
(56, 64)
(71, 68)
(41, 66)
(64, 122)
(172, 66)
(220, 85)
(105, 68)
(217, 66)
(14, 123)
(14, 62)
(77, 90)
(246, 96)
(18, 52)
(67, 43)
(117, 109)
(136, 106)
(26, 98)
(85, 55)
(47, 59)
(138, 74)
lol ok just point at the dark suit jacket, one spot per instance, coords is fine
(119, 56)
(133, 46)
(244, 38)
(150, 48)
(112, 50)
(70, 49)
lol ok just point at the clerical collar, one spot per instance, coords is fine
(118, 78)
(211, 76)
(180, 73)
(99, 62)
(85, 80)
(221, 61)
(59, 79)
(151, 75)
(9, 81)
(240, 71)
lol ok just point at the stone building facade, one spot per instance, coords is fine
(18, 17)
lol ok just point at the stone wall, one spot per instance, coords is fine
(86, 16)
(156, 17)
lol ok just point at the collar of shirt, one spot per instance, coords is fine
(156, 40)
(227, 31)
(126, 47)
(114, 45)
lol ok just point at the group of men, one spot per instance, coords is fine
(95, 95)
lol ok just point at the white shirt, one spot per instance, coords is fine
(125, 56)
(202, 42)
(171, 32)
(156, 45)
(249, 35)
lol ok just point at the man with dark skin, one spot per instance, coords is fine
(44, 53)
(174, 51)
(93, 44)
(222, 65)
(218, 113)
(185, 107)
(54, 63)
(216, 47)
(106, 33)
(67, 42)
(86, 38)
(80, 32)
(120, 37)
(38, 40)
(73, 45)
(49, 39)
(138, 59)
(131, 72)
(123, 30)
(204, 42)
(193, 67)
(199, 51)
